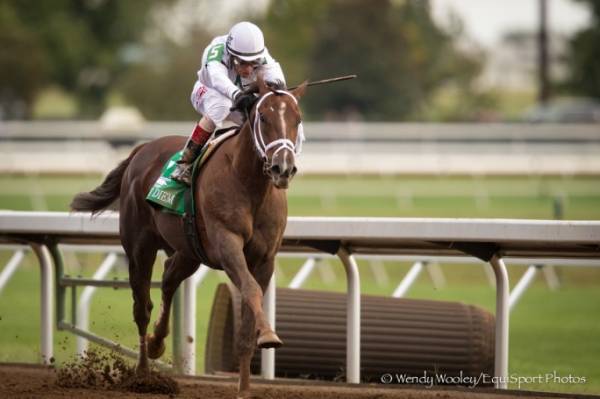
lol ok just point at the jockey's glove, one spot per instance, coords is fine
(277, 84)
(243, 101)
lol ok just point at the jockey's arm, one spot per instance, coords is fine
(272, 71)
(219, 79)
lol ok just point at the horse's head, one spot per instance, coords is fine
(277, 131)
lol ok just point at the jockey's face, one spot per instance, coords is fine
(245, 68)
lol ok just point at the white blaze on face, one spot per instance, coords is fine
(282, 116)
(281, 112)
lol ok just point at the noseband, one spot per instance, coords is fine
(279, 144)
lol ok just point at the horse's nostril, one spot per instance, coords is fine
(294, 171)
(276, 170)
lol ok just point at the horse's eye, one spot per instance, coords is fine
(262, 117)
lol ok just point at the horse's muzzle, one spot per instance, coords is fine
(282, 176)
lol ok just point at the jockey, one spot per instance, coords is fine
(229, 64)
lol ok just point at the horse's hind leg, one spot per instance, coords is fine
(141, 260)
(178, 267)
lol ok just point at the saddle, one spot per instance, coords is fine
(175, 197)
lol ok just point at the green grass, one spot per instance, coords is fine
(549, 331)
(533, 198)
(497, 197)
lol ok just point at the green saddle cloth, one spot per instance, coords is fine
(171, 195)
(175, 197)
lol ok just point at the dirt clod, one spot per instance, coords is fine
(152, 383)
(100, 370)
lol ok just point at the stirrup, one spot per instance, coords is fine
(182, 174)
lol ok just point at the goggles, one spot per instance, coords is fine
(254, 64)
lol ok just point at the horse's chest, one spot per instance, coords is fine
(266, 237)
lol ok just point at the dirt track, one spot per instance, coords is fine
(24, 381)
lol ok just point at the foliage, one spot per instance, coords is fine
(75, 44)
(93, 48)
(161, 89)
(399, 53)
(585, 56)
(22, 64)
(289, 28)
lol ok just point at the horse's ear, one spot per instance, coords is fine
(262, 86)
(299, 91)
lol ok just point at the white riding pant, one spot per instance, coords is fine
(213, 105)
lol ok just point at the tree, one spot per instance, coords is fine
(290, 34)
(161, 89)
(19, 80)
(399, 53)
(585, 56)
(72, 43)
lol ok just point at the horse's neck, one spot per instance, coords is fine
(248, 166)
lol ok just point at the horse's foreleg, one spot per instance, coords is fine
(262, 273)
(246, 344)
(177, 269)
(254, 323)
(252, 295)
(249, 330)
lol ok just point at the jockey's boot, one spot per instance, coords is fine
(193, 148)
(183, 170)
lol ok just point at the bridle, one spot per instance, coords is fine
(279, 144)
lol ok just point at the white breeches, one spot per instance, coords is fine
(213, 105)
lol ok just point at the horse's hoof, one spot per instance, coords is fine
(269, 340)
(156, 347)
(243, 395)
(142, 369)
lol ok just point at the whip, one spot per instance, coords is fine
(324, 81)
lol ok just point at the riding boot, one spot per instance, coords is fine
(182, 172)
(193, 148)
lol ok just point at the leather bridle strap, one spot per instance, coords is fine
(279, 144)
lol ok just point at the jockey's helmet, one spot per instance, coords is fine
(246, 42)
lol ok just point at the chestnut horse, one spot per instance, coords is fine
(241, 214)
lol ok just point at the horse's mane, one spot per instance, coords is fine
(275, 88)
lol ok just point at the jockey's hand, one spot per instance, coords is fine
(252, 87)
(243, 102)
(276, 85)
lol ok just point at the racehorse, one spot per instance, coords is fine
(241, 214)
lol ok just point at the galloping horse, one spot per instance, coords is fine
(241, 214)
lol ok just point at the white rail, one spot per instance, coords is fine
(343, 148)
(409, 279)
(267, 366)
(491, 240)
(83, 308)
(303, 273)
(502, 321)
(11, 268)
(46, 302)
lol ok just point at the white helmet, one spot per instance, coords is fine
(246, 41)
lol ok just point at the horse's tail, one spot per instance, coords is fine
(106, 193)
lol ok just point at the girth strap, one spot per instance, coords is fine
(190, 230)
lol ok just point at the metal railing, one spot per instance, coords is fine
(345, 237)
